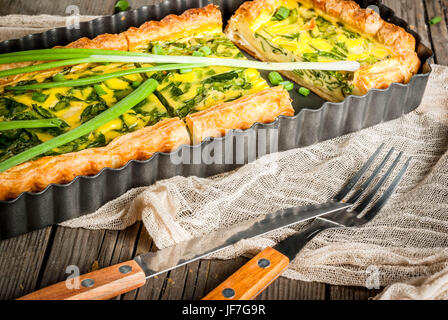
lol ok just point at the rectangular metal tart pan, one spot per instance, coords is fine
(315, 120)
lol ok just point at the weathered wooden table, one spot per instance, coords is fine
(40, 258)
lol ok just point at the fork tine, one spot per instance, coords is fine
(352, 182)
(370, 214)
(366, 184)
(375, 189)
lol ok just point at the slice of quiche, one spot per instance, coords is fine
(75, 105)
(155, 124)
(325, 31)
(197, 89)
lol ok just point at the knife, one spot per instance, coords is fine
(123, 277)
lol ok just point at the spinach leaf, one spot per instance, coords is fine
(44, 113)
(221, 77)
(120, 94)
(23, 142)
(92, 111)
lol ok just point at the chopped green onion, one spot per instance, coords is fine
(59, 77)
(121, 5)
(143, 91)
(304, 91)
(99, 90)
(24, 124)
(282, 13)
(185, 70)
(288, 85)
(435, 20)
(103, 77)
(136, 83)
(157, 50)
(205, 50)
(275, 78)
(198, 54)
(39, 97)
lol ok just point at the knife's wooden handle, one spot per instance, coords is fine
(252, 278)
(97, 285)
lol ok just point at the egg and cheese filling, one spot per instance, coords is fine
(75, 105)
(180, 93)
(199, 88)
(296, 31)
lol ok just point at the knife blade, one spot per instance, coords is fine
(154, 263)
(114, 280)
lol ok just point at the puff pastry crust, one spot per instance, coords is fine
(36, 175)
(399, 68)
(205, 20)
(264, 106)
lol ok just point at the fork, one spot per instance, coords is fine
(252, 278)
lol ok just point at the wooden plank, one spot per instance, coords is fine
(351, 293)
(21, 259)
(86, 7)
(71, 247)
(199, 289)
(439, 31)
(56, 7)
(174, 283)
(87, 250)
(153, 287)
(144, 244)
(413, 12)
(287, 289)
(191, 281)
(220, 270)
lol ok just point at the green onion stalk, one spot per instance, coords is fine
(26, 124)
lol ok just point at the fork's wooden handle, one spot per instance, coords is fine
(252, 278)
(97, 285)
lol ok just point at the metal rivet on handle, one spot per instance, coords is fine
(87, 283)
(264, 263)
(228, 293)
(125, 269)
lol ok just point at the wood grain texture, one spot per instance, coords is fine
(77, 248)
(58, 7)
(252, 278)
(293, 290)
(413, 12)
(351, 293)
(38, 259)
(21, 259)
(439, 31)
(87, 250)
(101, 284)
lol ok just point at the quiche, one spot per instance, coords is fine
(326, 31)
(157, 124)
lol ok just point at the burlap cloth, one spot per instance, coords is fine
(405, 247)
